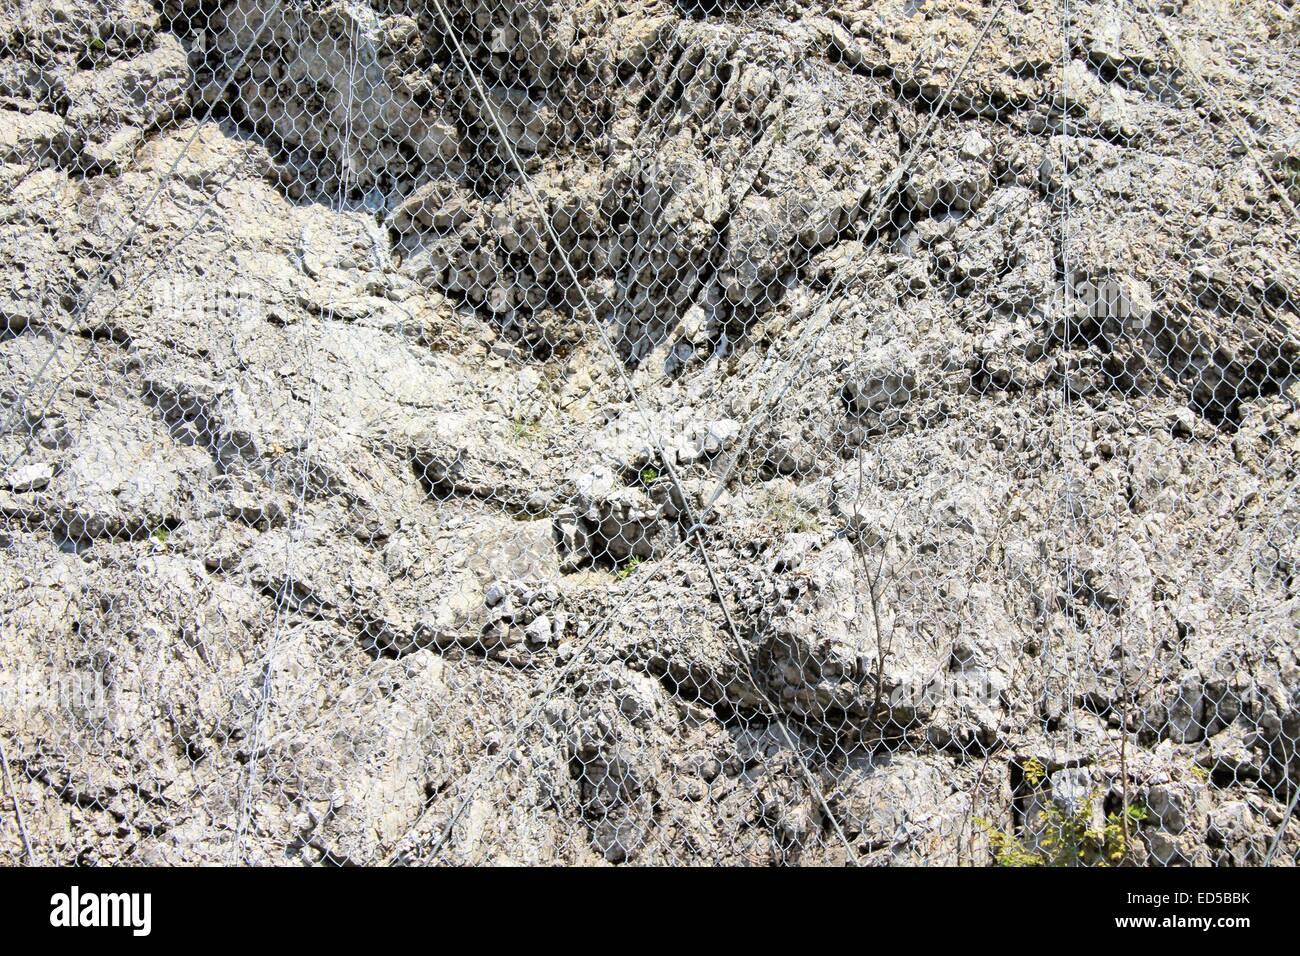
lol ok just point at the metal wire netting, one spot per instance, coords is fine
(553, 432)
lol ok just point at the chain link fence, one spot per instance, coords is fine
(679, 432)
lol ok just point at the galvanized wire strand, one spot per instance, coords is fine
(886, 194)
(19, 820)
(1240, 130)
(693, 526)
(266, 685)
(696, 522)
(1069, 439)
(1281, 830)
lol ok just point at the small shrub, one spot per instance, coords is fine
(1070, 839)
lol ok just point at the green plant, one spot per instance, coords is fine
(629, 566)
(1117, 835)
(648, 474)
(524, 430)
(1007, 850)
(1068, 839)
(1034, 771)
(787, 515)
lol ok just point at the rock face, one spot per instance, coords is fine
(651, 433)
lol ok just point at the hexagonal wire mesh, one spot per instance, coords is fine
(534, 431)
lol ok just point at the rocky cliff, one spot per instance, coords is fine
(665, 432)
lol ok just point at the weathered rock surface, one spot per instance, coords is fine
(365, 436)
